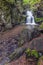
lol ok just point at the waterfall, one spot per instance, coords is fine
(30, 19)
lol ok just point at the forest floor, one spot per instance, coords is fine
(7, 34)
(22, 59)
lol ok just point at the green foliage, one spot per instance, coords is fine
(39, 9)
(13, 10)
(11, 1)
(31, 2)
(32, 53)
(5, 9)
(38, 19)
(28, 52)
(25, 1)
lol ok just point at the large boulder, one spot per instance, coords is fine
(30, 34)
(18, 52)
(37, 44)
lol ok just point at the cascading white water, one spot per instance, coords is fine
(30, 19)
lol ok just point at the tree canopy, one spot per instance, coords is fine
(12, 8)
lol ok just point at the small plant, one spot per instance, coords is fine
(28, 52)
(32, 53)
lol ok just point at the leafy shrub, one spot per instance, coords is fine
(32, 53)
(31, 2)
(28, 52)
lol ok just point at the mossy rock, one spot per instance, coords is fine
(41, 26)
(17, 53)
(40, 62)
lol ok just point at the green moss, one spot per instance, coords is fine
(32, 2)
(38, 19)
(41, 26)
(34, 53)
